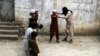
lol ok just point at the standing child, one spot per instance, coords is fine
(29, 30)
(34, 50)
(26, 40)
(54, 26)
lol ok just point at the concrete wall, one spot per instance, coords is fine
(22, 8)
(6, 10)
(98, 15)
(86, 18)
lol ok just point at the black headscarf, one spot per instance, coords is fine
(65, 10)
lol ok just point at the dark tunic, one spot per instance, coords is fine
(54, 27)
(54, 23)
(32, 20)
(34, 50)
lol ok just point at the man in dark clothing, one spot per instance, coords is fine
(54, 27)
(33, 17)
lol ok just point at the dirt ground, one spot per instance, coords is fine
(82, 46)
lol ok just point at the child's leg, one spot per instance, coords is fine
(51, 33)
(57, 34)
(51, 36)
(34, 54)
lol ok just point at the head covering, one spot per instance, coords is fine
(54, 10)
(32, 11)
(65, 10)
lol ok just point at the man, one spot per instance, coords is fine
(69, 31)
(54, 26)
(33, 27)
(33, 16)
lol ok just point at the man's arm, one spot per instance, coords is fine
(67, 16)
(59, 13)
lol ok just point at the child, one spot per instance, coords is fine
(54, 27)
(34, 50)
(26, 38)
(29, 30)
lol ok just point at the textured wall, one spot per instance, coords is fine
(86, 18)
(98, 16)
(84, 15)
(22, 8)
(6, 10)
